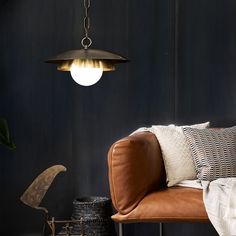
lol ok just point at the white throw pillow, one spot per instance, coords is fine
(176, 152)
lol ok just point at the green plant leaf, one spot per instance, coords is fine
(5, 138)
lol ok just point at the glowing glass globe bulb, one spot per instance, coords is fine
(87, 72)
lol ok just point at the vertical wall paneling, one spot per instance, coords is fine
(54, 120)
(182, 70)
(206, 61)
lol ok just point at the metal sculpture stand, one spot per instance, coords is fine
(66, 226)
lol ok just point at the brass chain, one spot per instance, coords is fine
(86, 41)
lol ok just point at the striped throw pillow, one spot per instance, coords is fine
(213, 152)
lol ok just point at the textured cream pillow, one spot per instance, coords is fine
(176, 152)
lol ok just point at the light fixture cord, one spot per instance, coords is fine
(86, 41)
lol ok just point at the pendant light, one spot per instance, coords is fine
(86, 65)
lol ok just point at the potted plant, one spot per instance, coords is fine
(5, 138)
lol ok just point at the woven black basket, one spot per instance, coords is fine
(95, 215)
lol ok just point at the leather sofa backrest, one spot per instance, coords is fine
(135, 168)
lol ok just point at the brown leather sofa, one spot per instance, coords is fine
(138, 187)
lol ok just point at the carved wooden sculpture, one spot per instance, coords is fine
(35, 192)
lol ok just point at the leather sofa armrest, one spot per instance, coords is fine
(135, 168)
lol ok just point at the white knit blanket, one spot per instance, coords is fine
(219, 197)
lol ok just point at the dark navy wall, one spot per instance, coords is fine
(206, 61)
(182, 70)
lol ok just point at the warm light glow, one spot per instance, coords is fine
(86, 72)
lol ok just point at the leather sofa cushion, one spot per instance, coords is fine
(168, 205)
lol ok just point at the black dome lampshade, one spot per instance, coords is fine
(86, 65)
